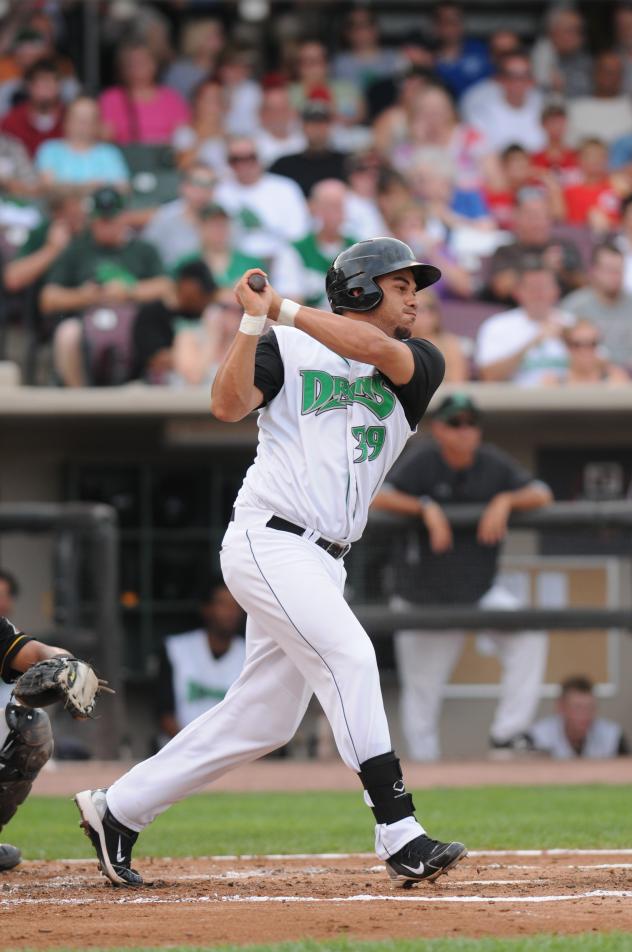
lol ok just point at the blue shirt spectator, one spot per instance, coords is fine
(79, 158)
(621, 152)
(460, 61)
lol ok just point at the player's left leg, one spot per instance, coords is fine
(523, 656)
(260, 712)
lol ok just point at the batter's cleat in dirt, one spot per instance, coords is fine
(10, 856)
(112, 841)
(424, 858)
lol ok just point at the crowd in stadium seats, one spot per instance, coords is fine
(127, 212)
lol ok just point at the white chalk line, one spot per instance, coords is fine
(205, 900)
(67, 882)
(249, 857)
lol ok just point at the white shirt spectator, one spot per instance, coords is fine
(505, 334)
(172, 232)
(599, 117)
(199, 680)
(625, 246)
(286, 274)
(270, 148)
(484, 106)
(602, 740)
(244, 102)
(362, 218)
(211, 152)
(267, 214)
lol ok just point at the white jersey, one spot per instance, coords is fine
(603, 739)
(330, 431)
(199, 681)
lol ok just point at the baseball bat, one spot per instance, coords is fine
(257, 282)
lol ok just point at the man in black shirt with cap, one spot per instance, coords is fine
(442, 565)
(319, 160)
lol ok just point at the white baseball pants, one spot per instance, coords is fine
(426, 659)
(301, 638)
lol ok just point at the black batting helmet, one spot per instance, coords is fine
(356, 268)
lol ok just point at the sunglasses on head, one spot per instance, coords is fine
(460, 423)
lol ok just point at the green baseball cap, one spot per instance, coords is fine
(454, 404)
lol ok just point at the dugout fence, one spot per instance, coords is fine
(85, 547)
(583, 525)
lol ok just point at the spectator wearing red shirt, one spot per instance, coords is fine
(519, 174)
(41, 116)
(556, 156)
(140, 110)
(593, 201)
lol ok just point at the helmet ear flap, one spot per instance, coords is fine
(363, 295)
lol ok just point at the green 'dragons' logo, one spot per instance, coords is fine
(322, 392)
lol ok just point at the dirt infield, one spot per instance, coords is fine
(211, 901)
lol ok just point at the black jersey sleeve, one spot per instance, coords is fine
(12, 640)
(415, 395)
(269, 369)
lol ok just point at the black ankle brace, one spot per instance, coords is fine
(383, 780)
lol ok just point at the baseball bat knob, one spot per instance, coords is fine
(256, 282)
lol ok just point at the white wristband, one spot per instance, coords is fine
(287, 312)
(253, 324)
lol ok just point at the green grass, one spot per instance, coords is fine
(484, 818)
(597, 942)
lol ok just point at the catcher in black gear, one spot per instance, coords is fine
(43, 675)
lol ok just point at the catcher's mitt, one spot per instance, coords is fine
(60, 679)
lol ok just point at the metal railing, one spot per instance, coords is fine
(383, 619)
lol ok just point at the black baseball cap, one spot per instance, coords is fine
(106, 202)
(455, 404)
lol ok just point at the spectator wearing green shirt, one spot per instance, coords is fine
(46, 242)
(102, 267)
(315, 252)
(217, 249)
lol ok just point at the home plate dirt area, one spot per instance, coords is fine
(261, 899)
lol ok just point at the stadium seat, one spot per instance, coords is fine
(154, 176)
(465, 317)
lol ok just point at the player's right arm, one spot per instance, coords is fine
(234, 394)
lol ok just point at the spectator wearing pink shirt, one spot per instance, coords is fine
(139, 110)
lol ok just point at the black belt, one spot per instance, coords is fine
(334, 549)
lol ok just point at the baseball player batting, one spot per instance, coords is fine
(338, 395)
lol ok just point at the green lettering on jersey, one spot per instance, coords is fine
(322, 391)
(318, 387)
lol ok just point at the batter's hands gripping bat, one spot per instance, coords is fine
(256, 282)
